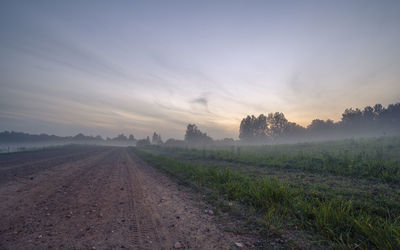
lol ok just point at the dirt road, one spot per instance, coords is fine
(82, 197)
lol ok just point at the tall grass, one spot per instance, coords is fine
(362, 158)
(337, 221)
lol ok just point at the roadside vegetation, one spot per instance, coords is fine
(344, 193)
(361, 158)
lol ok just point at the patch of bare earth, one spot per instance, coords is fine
(102, 199)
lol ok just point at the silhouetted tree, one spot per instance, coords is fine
(378, 109)
(246, 132)
(174, 143)
(254, 129)
(352, 117)
(293, 131)
(120, 138)
(80, 137)
(320, 129)
(390, 118)
(368, 114)
(195, 137)
(143, 142)
(318, 126)
(277, 124)
(156, 139)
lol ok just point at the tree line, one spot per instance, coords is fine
(370, 121)
(275, 128)
(12, 137)
(263, 129)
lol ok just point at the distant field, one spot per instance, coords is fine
(342, 194)
(19, 147)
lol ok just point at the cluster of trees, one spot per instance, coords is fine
(174, 143)
(194, 136)
(272, 128)
(143, 142)
(155, 140)
(370, 121)
(122, 138)
(261, 128)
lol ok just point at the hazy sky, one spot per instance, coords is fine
(106, 67)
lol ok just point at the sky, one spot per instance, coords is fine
(135, 67)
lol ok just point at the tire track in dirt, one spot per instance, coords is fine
(44, 207)
(15, 159)
(128, 211)
(86, 202)
(181, 212)
(108, 199)
(98, 202)
(25, 169)
(143, 232)
(51, 177)
(63, 157)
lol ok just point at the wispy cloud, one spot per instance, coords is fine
(50, 46)
(201, 100)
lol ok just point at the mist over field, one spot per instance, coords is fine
(274, 128)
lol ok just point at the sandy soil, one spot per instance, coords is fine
(100, 198)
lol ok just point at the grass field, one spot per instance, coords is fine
(343, 194)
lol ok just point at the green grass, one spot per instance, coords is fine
(341, 221)
(363, 158)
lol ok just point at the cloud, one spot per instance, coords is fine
(201, 100)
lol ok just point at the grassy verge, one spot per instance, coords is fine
(337, 221)
(377, 158)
